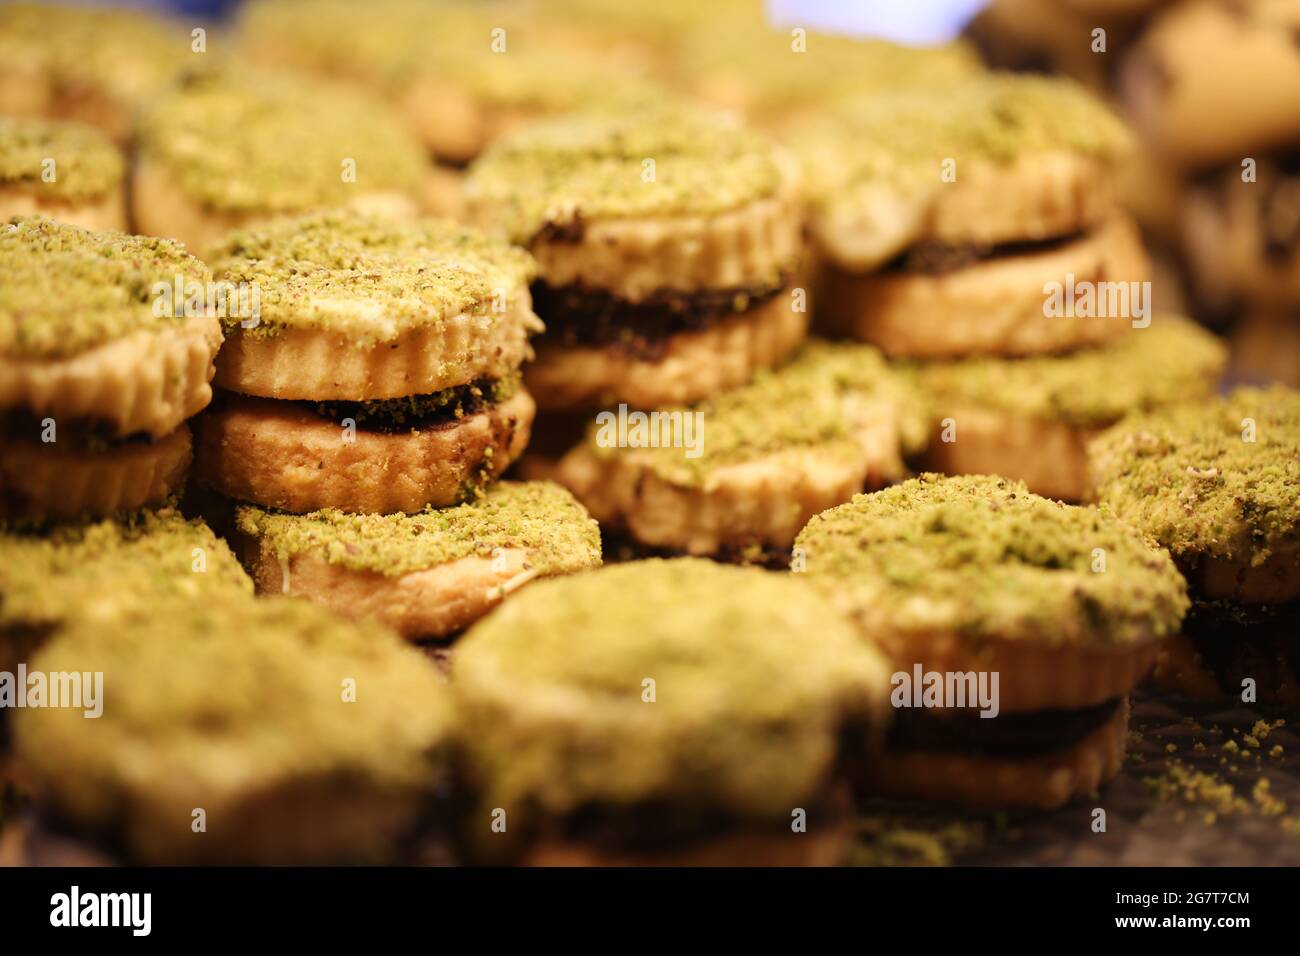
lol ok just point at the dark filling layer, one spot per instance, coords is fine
(1236, 641)
(437, 410)
(1006, 735)
(80, 434)
(939, 258)
(618, 546)
(579, 316)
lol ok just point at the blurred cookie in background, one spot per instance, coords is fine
(1266, 348)
(65, 170)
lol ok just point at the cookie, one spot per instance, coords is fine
(975, 197)
(227, 148)
(381, 373)
(98, 571)
(1216, 486)
(618, 712)
(1030, 419)
(974, 577)
(1214, 82)
(95, 65)
(747, 469)
(319, 741)
(427, 575)
(660, 237)
(64, 170)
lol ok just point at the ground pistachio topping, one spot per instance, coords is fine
(373, 279)
(817, 401)
(537, 516)
(985, 558)
(561, 172)
(67, 290)
(1171, 361)
(901, 139)
(125, 54)
(101, 570)
(1220, 479)
(67, 162)
(272, 143)
(244, 694)
(752, 677)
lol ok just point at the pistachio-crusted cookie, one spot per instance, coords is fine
(382, 372)
(79, 62)
(966, 203)
(98, 571)
(748, 468)
(1030, 419)
(976, 575)
(1217, 486)
(303, 738)
(667, 244)
(65, 170)
(223, 149)
(427, 575)
(664, 711)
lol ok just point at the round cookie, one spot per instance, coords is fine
(977, 576)
(241, 708)
(1030, 419)
(223, 149)
(966, 203)
(64, 170)
(666, 247)
(427, 575)
(381, 373)
(95, 65)
(743, 726)
(741, 473)
(1214, 82)
(1216, 486)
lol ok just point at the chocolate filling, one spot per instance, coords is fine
(81, 434)
(425, 412)
(576, 315)
(1006, 735)
(1236, 641)
(618, 546)
(940, 258)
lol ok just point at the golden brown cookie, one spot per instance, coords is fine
(64, 170)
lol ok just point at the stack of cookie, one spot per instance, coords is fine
(380, 379)
(974, 234)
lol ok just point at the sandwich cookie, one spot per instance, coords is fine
(1217, 486)
(67, 171)
(99, 368)
(978, 579)
(665, 712)
(222, 149)
(1215, 82)
(87, 63)
(427, 575)
(295, 737)
(382, 372)
(1030, 419)
(945, 216)
(739, 474)
(667, 248)
(98, 571)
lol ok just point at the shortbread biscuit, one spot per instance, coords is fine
(564, 670)
(92, 333)
(751, 466)
(426, 575)
(78, 62)
(1030, 419)
(299, 458)
(992, 301)
(1185, 83)
(41, 480)
(223, 149)
(67, 171)
(305, 739)
(999, 159)
(354, 308)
